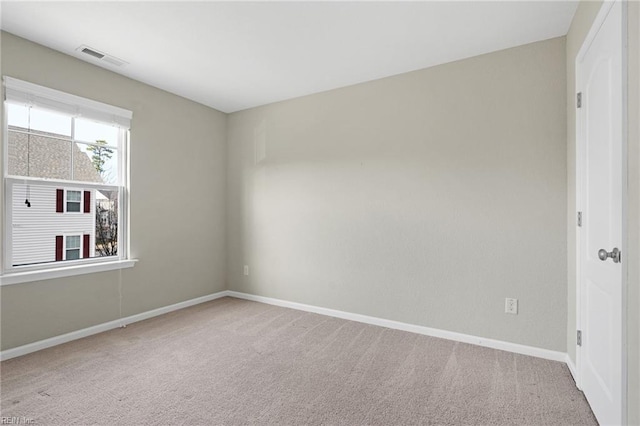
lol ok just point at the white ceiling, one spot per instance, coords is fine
(236, 55)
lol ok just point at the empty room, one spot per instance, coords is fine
(338, 213)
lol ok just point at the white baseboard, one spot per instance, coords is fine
(396, 325)
(572, 369)
(79, 334)
(433, 332)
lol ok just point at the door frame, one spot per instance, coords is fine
(580, 155)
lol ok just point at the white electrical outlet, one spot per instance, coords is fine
(511, 306)
(246, 269)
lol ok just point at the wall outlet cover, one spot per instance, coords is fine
(511, 306)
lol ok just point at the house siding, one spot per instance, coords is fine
(34, 229)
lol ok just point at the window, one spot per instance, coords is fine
(72, 247)
(73, 201)
(65, 179)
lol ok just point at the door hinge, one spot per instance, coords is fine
(579, 100)
(579, 338)
(580, 219)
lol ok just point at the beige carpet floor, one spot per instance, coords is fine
(236, 362)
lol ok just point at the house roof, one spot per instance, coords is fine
(48, 155)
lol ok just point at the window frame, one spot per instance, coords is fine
(25, 273)
(80, 202)
(80, 248)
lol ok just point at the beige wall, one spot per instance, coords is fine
(426, 197)
(178, 172)
(582, 21)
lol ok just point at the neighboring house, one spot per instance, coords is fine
(35, 240)
(106, 222)
(36, 206)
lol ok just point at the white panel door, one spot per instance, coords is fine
(600, 139)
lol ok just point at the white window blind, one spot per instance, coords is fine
(25, 93)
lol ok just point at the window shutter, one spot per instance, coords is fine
(85, 245)
(59, 247)
(87, 201)
(59, 200)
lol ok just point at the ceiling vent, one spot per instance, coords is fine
(100, 56)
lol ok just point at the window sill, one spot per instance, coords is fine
(66, 271)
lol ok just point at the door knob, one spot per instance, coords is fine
(614, 254)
